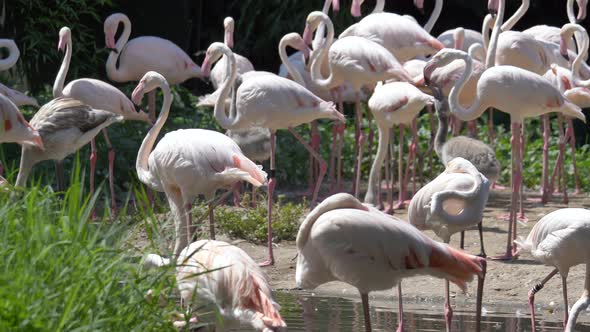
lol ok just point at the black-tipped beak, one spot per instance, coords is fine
(565, 56)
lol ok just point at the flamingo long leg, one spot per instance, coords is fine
(400, 311)
(271, 187)
(521, 215)
(389, 208)
(482, 252)
(366, 312)
(534, 291)
(361, 144)
(480, 284)
(400, 169)
(560, 155)
(545, 192)
(448, 308)
(570, 124)
(323, 166)
(565, 302)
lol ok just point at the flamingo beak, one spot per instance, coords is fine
(61, 45)
(307, 35)
(205, 67)
(335, 5)
(138, 93)
(493, 6)
(563, 50)
(581, 14)
(109, 40)
(355, 9)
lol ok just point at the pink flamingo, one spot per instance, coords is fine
(64, 125)
(228, 277)
(269, 101)
(394, 103)
(354, 59)
(453, 202)
(187, 163)
(219, 71)
(99, 95)
(560, 239)
(142, 54)
(513, 90)
(17, 97)
(342, 239)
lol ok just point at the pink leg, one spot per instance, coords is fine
(516, 163)
(545, 177)
(400, 315)
(565, 302)
(111, 172)
(402, 190)
(323, 166)
(570, 124)
(271, 188)
(366, 312)
(534, 291)
(448, 308)
(479, 300)
(521, 215)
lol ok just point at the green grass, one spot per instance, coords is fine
(61, 272)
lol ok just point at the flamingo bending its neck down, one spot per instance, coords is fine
(227, 276)
(65, 125)
(394, 103)
(142, 54)
(560, 239)
(451, 203)
(17, 97)
(513, 90)
(187, 163)
(269, 101)
(98, 95)
(342, 239)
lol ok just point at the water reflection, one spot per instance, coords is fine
(304, 312)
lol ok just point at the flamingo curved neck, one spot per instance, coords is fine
(58, 85)
(142, 165)
(434, 16)
(285, 60)
(486, 27)
(319, 57)
(578, 61)
(491, 55)
(511, 22)
(112, 71)
(475, 110)
(219, 110)
(379, 7)
(13, 54)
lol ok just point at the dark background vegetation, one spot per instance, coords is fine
(193, 25)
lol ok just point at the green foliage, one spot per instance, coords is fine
(36, 23)
(61, 272)
(251, 223)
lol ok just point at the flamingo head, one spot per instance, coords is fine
(228, 26)
(441, 59)
(582, 4)
(150, 81)
(355, 9)
(296, 41)
(214, 53)
(493, 6)
(110, 29)
(336, 6)
(311, 24)
(65, 34)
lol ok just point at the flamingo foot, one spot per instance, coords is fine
(509, 256)
(400, 205)
(266, 263)
(497, 186)
(522, 219)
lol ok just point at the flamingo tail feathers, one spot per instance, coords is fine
(455, 265)
(246, 170)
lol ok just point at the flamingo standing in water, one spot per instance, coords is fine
(98, 95)
(142, 54)
(342, 239)
(513, 90)
(560, 239)
(17, 97)
(227, 276)
(269, 101)
(452, 202)
(394, 103)
(353, 59)
(187, 163)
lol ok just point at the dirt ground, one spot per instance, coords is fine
(506, 285)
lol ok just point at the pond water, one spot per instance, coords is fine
(306, 312)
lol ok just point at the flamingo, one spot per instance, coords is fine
(452, 202)
(269, 101)
(228, 277)
(394, 103)
(64, 125)
(219, 71)
(342, 239)
(142, 54)
(513, 90)
(560, 240)
(187, 163)
(15, 128)
(353, 59)
(17, 97)
(98, 95)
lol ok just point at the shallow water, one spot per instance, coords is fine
(306, 312)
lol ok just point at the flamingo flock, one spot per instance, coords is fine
(399, 69)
